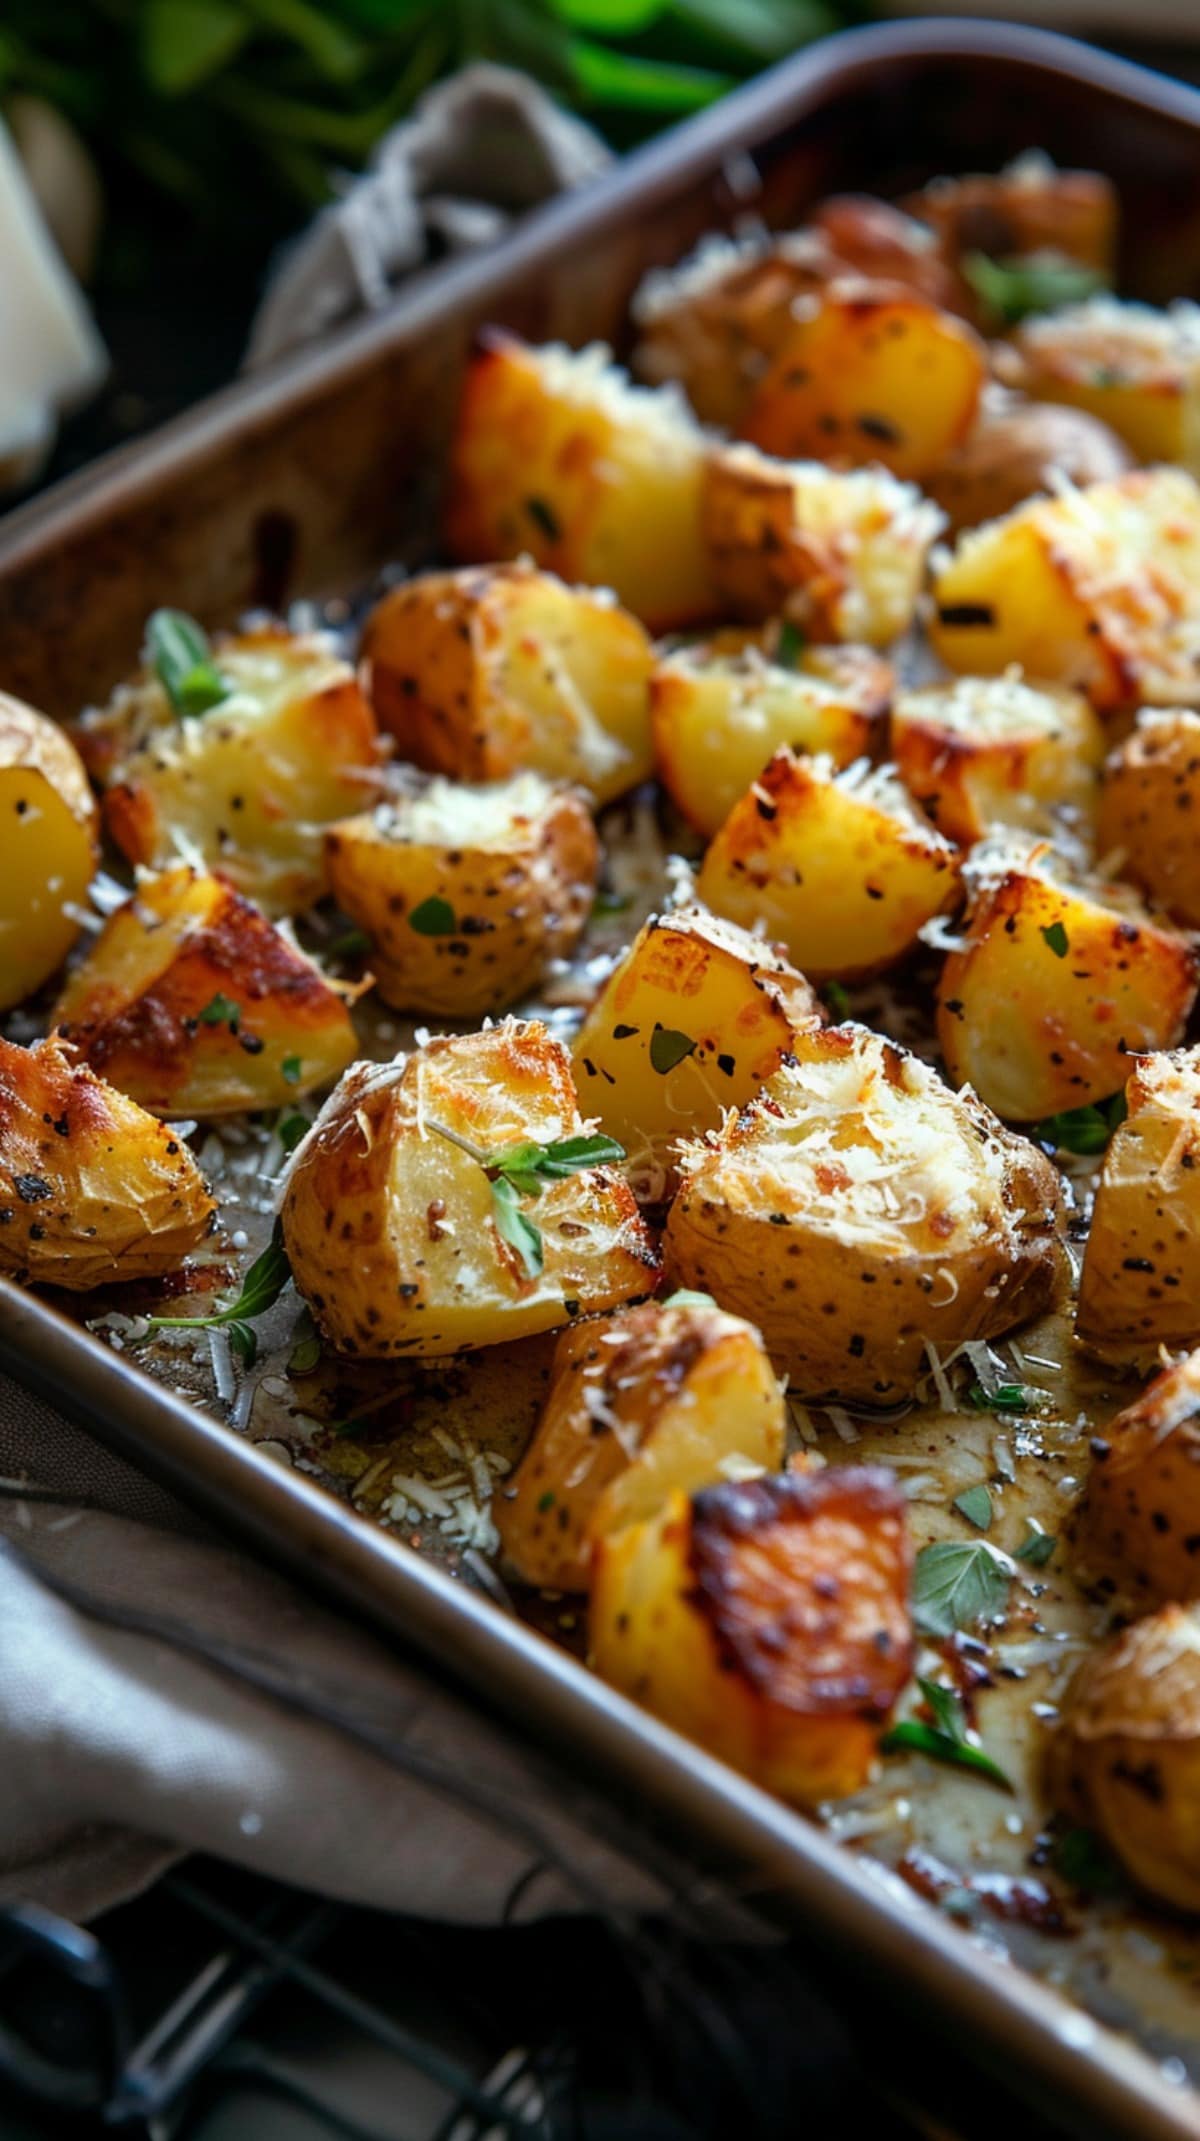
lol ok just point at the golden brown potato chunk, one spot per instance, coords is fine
(858, 1208)
(467, 893)
(49, 818)
(403, 1233)
(502, 669)
(93, 1190)
(1062, 979)
(1125, 1757)
(1150, 807)
(1139, 1521)
(993, 751)
(191, 1002)
(769, 1621)
(842, 868)
(1134, 367)
(248, 786)
(713, 323)
(1140, 1284)
(698, 1013)
(663, 1397)
(1016, 447)
(558, 455)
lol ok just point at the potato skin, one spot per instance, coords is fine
(782, 1217)
(1150, 794)
(50, 821)
(502, 669)
(247, 786)
(767, 1620)
(718, 717)
(507, 874)
(139, 1007)
(1016, 447)
(712, 324)
(1139, 1288)
(695, 1017)
(641, 1403)
(557, 455)
(869, 372)
(1138, 1525)
(841, 553)
(1135, 368)
(1125, 1757)
(878, 240)
(390, 1227)
(92, 1188)
(843, 871)
(987, 752)
(1060, 983)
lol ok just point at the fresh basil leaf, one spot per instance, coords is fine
(956, 1585)
(514, 1228)
(1037, 1549)
(667, 1048)
(1012, 289)
(1055, 936)
(975, 1504)
(433, 918)
(178, 651)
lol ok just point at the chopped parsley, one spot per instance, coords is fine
(222, 1011)
(292, 1068)
(178, 651)
(433, 918)
(667, 1048)
(947, 1739)
(975, 1504)
(1037, 1549)
(1012, 289)
(1055, 936)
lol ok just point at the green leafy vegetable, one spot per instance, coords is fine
(1081, 1130)
(1037, 1549)
(667, 1048)
(261, 1288)
(177, 650)
(1012, 289)
(975, 1504)
(222, 1011)
(292, 1069)
(948, 1739)
(1056, 937)
(957, 1585)
(433, 918)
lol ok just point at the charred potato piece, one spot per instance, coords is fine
(394, 1234)
(247, 787)
(1030, 209)
(92, 1189)
(1125, 1757)
(869, 372)
(1140, 1284)
(557, 454)
(842, 868)
(1139, 1522)
(466, 893)
(713, 323)
(769, 1621)
(858, 1208)
(992, 751)
(500, 670)
(1134, 367)
(192, 1003)
(841, 553)
(49, 815)
(695, 1017)
(1099, 589)
(1062, 979)
(1017, 447)
(656, 1399)
(1149, 808)
(718, 717)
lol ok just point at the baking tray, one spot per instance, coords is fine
(301, 482)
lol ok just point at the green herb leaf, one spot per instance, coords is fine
(222, 1011)
(292, 1068)
(1081, 1130)
(667, 1048)
(1082, 1860)
(244, 1343)
(1037, 1549)
(433, 918)
(975, 1504)
(178, 652)
(955, 1585)
(542, 1164)
(544, 517)
(1006, 1398)
(610, 903)
(1057, 939)
(837, 998)
(546, 1501)
(947, 1740)
(1012, 289)
(186, 41)
(290, 1129)
(514, 1228)
(261, 1288)
(306, 1346)
(789, 645)
(350, 945)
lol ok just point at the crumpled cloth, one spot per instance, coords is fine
(478, 150)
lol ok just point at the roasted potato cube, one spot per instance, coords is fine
(991, 751)
(1138, 1525)
(858, 1208)
(695, 1017)
(247, 786)
(1031, 209)
(664, 1397)
(1140, 1284)
(719, 716)
(92, 1189)
(869, 372)
(842, 553)
(1125, 1757)
(1098, 588)
(767, 1620)
(399, 1240)
(1149, 807)
(49, 811)
(842, 868)
(500, 670)
(877, 239)
(466, 893)
(557, 454)
(1062, 979)
(713, 323)
(1135, 368)
(1017, 447)
(192, 1003)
